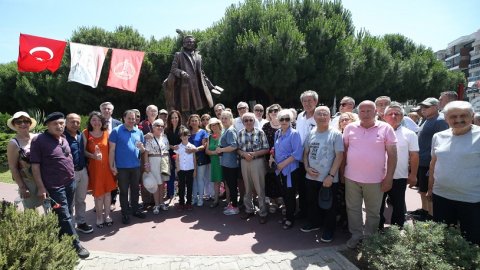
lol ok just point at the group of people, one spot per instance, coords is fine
(314, 165)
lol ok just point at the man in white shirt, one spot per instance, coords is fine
(305, 123)
(242, 108)
(347, 104)
(258, 110)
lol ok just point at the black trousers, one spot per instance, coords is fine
(185, 180)
(315, 215)
(302, 189)
(129, 179)
(453, 212)
(397, 197)
(289, 194)
(231, 175)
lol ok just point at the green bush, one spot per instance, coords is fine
(4, 139)
(29, 240)
(3, 123)
(426, 245)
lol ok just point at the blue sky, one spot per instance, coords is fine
(431, 23)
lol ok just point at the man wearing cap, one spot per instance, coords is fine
(126, 143)
(53, 171)
(76, 143)
(434, 122)
(163, 114)
(322, 156)
(371, 158)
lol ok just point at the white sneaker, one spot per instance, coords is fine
(231, 211)
(156, 210)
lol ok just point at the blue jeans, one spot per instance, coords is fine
(199, 182)
(171, 182)
(64, 197)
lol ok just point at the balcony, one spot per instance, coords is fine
(474, 65)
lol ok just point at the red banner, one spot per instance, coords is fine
(125, 69)
(37, 53)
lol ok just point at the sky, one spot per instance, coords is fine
(428, 22)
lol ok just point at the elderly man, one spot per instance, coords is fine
(371, 157)
(106, 108)
(407, 158)
(146, 125)
(322, 156)
(434, 122)
(304, 124)
(53, 171)
(126, 141)
(454, 183)
(258, 110)
(76, 143)
(242, 108)
(445, 98)
(218, 109)
(252, 147)
(347, 104)
(382, 102)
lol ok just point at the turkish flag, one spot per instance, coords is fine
(37, 53)
(125, 69)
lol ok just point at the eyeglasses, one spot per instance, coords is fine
(273, 111)
(159, 126)
(242, 108)
(344, 104)
(258, 110)
(248, 120)
(25, 121)
(425, 107)
(283, 119)
(394, 113)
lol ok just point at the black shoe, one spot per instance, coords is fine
(246, 215)
(327, 237)
(84, 228)
(300, 215)
(418, 212)
(309, 228)
(82, 252)
(139, 214)
(125, 219)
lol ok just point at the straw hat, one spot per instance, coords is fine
(17, 115)
(213, 121)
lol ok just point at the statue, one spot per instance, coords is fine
(187, 89)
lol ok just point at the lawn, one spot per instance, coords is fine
(5, 175)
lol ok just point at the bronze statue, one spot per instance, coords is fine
(187, 89)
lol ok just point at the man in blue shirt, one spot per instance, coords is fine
(126, 143)
(76, 143)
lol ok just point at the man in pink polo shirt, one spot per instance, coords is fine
(371, 157)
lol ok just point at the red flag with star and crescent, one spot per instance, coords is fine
(37, 53)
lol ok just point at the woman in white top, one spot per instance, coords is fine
(157, 162)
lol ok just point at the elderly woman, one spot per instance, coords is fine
(229, 161)
(288, 151)
(273, 189)
(345, 119)
(101, 181)
(18, 155)
(215, 128)
(157, 162)
(199, 139)
(454, 182)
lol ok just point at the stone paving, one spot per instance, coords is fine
(320, 258)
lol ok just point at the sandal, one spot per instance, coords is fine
(108, 223)
(287, 225)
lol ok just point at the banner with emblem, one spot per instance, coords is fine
(125, 69)
(86, 63)
(38, 54)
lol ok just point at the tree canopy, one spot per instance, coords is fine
(268, 51)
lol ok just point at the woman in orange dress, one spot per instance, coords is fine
(101, 180)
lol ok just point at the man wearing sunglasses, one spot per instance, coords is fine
(242, 108)
(347, 104)
(53, 171)
(252, 147)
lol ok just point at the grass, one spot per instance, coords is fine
(5, 175)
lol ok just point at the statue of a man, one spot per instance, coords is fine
(187, 89)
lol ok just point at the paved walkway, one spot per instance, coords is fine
(206, 239)
(320, 258)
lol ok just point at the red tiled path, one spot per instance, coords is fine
(203, 231)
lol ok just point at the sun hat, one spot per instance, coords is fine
(163, 111)
(17, 115)
(213, 121)
(149, 182)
